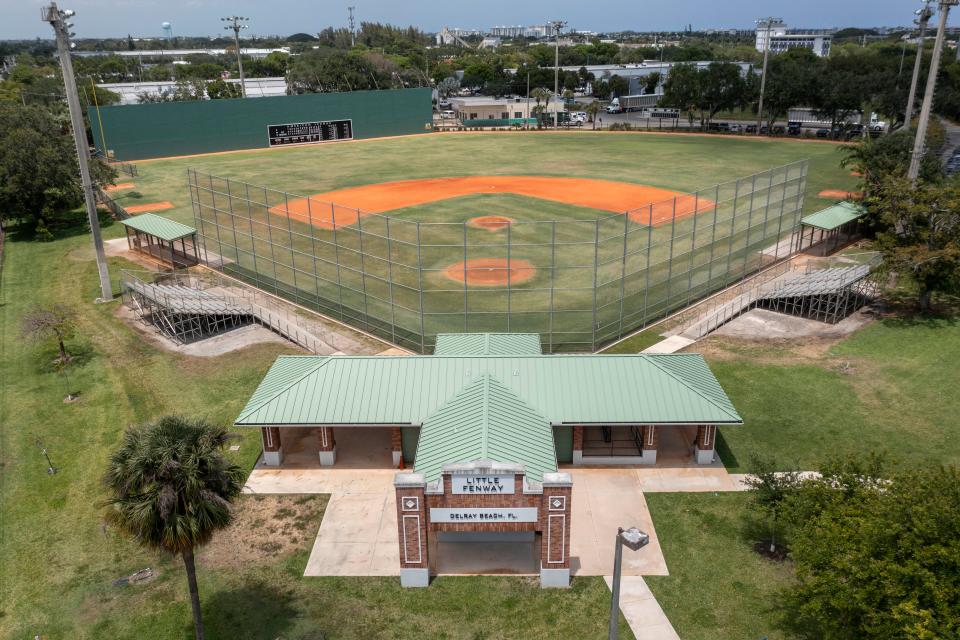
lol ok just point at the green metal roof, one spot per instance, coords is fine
(565, 389)
(487, 344)
(486, 420)
(834, 216)
(158, 226)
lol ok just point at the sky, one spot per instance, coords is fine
(116, 18)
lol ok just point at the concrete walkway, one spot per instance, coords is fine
(642, 611)
(669, 345)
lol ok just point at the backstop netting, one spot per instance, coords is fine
(583, 284)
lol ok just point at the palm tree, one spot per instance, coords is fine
(538, 94)
(172, 488)
(592, 110)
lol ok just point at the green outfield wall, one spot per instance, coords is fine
(139, 131)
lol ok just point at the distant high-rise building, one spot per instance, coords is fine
(782, 39)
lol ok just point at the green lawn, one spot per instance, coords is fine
(718, 587)
(889, 387)
(58, 561)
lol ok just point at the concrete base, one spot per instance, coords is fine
(554, 578)
(704, 456)
(649, 456)
(328, 458)
(397, 458)
(577, 456)
(273, 458)
(414, 577)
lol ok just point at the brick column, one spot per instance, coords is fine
(412, 530)
(651, 439)
(577, 445)
(272, 449)
(555, 528)
(706, 442)
(327, 445)
(396, 440)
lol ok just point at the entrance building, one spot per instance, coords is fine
(481, 427)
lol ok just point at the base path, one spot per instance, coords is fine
(606, 195)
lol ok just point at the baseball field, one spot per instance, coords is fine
(581, 237)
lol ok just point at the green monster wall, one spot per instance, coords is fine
(140, 131)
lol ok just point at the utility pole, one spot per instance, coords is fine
(923, 16)
(557, 26)
(768, 25)
(234, 23)
(353, 29)
(920, 140)
(61, 28)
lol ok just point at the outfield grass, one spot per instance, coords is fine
(718, 587)
(681, 162)
(889, 388)
(58, 561)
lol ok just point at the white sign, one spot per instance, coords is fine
(465, 515)
(490, 485)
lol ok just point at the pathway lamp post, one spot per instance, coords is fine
(633, 539)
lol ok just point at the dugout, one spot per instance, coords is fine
(832, 227)
(166, 241)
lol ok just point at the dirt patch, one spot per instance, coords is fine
(779, 553)
(491, 272)
(839, 194)
(490, 223)
(218, 345)
(119, 186)
(150, 206)
(856, 174)
(265, 527)
(646, 204)
(763, 324)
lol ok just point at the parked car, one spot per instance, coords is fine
(823, 133)
(779, 130)
(444, 104)
(794, 128)
(751, 128)
(447, 113)
(736, 128)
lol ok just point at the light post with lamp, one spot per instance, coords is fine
(233, 23)
(633, 539)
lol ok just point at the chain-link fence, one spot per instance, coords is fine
(577, 283)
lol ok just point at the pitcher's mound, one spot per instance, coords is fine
(490, 223)
(491, 272)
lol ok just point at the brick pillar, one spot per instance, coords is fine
(651, 440)
(327, 445)
(272, 447)
(412, 530)
(396, 441)
(577, 445)
(555, 528)
(706, 442)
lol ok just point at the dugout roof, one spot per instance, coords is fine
(834, 216)
(159, 227)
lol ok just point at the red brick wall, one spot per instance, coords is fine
(271, 438)
(396, 441)
(555, 527)
(516, 499)
(650, 437)
(706, 436)
(325, 439)
(412, 528)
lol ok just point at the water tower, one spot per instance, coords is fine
(167, 30)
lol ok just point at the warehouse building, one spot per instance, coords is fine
(481, 429)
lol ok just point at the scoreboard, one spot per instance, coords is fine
(309, 132)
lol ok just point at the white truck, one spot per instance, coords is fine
(633, 103)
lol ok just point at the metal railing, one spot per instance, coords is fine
(590, 281)
(115, 208)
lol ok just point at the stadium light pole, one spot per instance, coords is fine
(634, 539)
(768, 22)
(234, 23)
(923, 16)
(557, 26)
(919, 141)
(61, 28)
